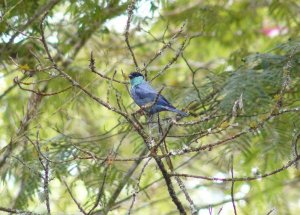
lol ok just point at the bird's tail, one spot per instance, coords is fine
(177, 111)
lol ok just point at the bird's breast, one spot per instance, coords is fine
(138, 96)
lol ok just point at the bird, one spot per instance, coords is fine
(144, 95)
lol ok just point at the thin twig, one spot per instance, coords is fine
(100, 192)
(259, 177)
(187, 196)
(137, 186)
(232, 187)
(16, 81)
(123, 182)
(193, 80)
(93, 69)
(46, 186)
(173, 60)
(165, 46)
(76, 202)
(271, 211)
(46, 172)
(16, 211)
(9, 89)
(170, 187)
(130, 13)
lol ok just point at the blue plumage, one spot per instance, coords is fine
(143, 94)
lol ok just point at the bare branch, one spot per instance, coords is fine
(93, 69)
(232, 187)
(165, 46)
(16, 81)
(46, 186)
(15, 211)
(9, 89)
(187, 196)
(100, 192)
(285, 167)
(169, 184)
(271, 211)
(76, 202)
(137, 186)
(123, 182)
(130, 13)
(173, 60)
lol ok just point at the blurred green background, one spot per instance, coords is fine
(244, 52)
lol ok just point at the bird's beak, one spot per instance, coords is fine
(130, 76)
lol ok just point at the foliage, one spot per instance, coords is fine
(72, 140)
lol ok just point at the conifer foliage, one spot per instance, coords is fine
(73, 142)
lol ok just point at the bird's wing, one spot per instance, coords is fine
(144, 94)
(148, 94)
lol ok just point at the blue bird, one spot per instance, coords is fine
(143, 94)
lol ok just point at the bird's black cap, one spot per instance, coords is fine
(134, 75)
